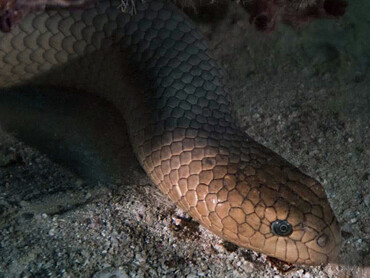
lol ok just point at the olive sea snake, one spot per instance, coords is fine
(157, 70)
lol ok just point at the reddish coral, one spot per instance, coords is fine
(13, 11)
(265, 14)
(10, 14)
(335, 7)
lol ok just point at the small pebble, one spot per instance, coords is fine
(353, 220)
(111, 272)
(367, 200)
(79, 182)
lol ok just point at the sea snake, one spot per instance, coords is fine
(156, 68)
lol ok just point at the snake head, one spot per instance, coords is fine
(271, 207)
(302, 224)
(259, 201)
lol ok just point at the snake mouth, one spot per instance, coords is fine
(337, 239)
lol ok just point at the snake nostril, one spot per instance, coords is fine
(281, 228)
(322, 240)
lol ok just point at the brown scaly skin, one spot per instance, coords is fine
(179, 121)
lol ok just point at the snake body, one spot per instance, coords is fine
(157, 69)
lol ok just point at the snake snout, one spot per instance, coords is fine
(322, 238)
(325, 248)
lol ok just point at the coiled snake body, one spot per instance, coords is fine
(179, 121)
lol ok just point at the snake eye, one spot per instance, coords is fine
(281, 228)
